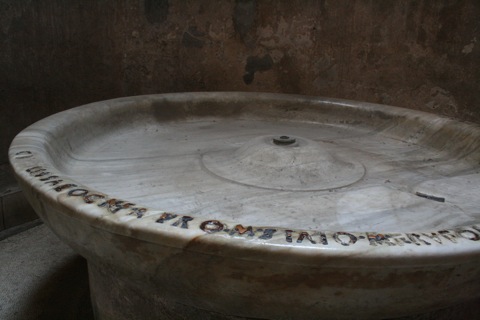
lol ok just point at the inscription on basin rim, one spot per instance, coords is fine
(290, 236)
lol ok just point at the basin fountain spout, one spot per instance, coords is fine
(284, 140)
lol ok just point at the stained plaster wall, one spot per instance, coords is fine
(57, 54)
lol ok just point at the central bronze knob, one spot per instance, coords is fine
(283, 140)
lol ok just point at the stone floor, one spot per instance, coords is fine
(42, 278)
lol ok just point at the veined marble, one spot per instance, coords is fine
(261, 205)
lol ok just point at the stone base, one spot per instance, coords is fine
(114, 297)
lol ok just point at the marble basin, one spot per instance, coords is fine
(264, 206)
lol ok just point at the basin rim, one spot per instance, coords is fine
(29, 159)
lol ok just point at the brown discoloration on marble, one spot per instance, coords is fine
(272, 285)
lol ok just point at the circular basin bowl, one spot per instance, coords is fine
(264, 206)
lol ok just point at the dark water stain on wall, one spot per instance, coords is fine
(156, 11)
(244, 16)
(255, 64)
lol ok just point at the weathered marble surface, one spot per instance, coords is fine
(161, 193)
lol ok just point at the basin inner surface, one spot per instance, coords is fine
(335, 176)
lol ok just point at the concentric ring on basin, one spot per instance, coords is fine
(302, 165)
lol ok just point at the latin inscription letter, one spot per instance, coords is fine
(64, 186)
(378, 239)
(34, 169)
(304, 235)
(92, 197)
(267, 234)
(77, 192)
(138, 211)
(184, 221)
(433, 236)
(448, 235)
(468, 234)
(415, 238)
(41, 174)
(114, 205)
(211, 226)
(23, 155)
(339, 236)
(242, 230)
(165, 217)
(49, 178)
(288, 235)
(323, 239)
